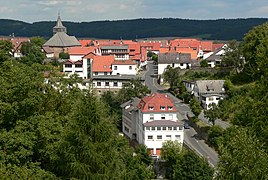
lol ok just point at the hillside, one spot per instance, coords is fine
(221, 29)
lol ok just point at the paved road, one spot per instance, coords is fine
(191, 136)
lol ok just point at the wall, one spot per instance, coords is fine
(124, 69)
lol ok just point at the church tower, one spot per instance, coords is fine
(59, 27)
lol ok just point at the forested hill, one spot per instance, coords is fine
(221, 29)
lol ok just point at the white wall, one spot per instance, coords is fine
(111, 84)
(157, 116)
(124, 69)
(162, 67)
(189, 86)
(157, 143)
(73, 70)
(211, 99)
(76, 57)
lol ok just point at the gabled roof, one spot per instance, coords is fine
(131, 104)
(102, 63)
(163, 123)
(123, 62)
(210, 86)
(153, 102)
(168, 58)
(81, 50)
(61, 39)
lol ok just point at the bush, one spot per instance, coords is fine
(64, 55)
(215, 134)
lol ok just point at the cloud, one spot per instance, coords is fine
(5, 9)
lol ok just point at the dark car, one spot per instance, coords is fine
(186, 125)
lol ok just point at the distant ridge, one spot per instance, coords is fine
(220, 29)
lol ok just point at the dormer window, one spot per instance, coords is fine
(162, 107)
(170, 107)
(151, 108)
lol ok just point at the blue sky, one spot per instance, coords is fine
(94, 10)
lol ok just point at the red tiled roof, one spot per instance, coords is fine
(69, 62)
(85, 42)
(16, 41)
(81, 50)
(216, 46)
(156, 100)
(102, 63)
(124, 62)
(90, 55)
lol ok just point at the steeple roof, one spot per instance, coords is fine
(59, 26)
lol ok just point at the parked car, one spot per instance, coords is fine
(186, 125)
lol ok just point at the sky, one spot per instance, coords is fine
(95, 10)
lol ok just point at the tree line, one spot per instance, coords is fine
(220, 29)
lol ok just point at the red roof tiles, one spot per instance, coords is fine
(102, 63)
(157, 102)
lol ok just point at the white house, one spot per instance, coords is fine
(125, 67)
(154, 122)
(209, 92)
(173, 59)
(70, 67)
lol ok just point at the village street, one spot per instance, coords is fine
(191, 139)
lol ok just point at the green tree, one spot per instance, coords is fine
(171, 75)
(213, 113)
(195, 106)
(242, 156)
(183, 164)
(204, 63)
(32, 51)
(133, 89)
(64, 55)
(233, 56)
(5, 50)
(255, 50)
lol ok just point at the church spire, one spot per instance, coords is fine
(59, 27)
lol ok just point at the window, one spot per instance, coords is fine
(151, 116)
(169, 128)
(151, 108)
(107, 83)
(181, 64)
(126, 129)
(96, 73)
(175, 128)
(105, 73)
(68, 65)
(178, 137)
(170, 107)
(164, 128)
(168, 137)
(115, 84)
(148, 128)
(163, 117)
(210, 98)
(162, 108)
(98, 83)
(159, 136)
(79, 65)
(158, 128)
(180, 127)
(217, 98)
(150, 137)
(153, 128)
(130, 67)
(115, 67)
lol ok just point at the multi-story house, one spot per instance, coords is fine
(152, 121)
(209, 92)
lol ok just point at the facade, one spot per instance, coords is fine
(209, 92)
(153, 122)
(125, 67)
(119, 52)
